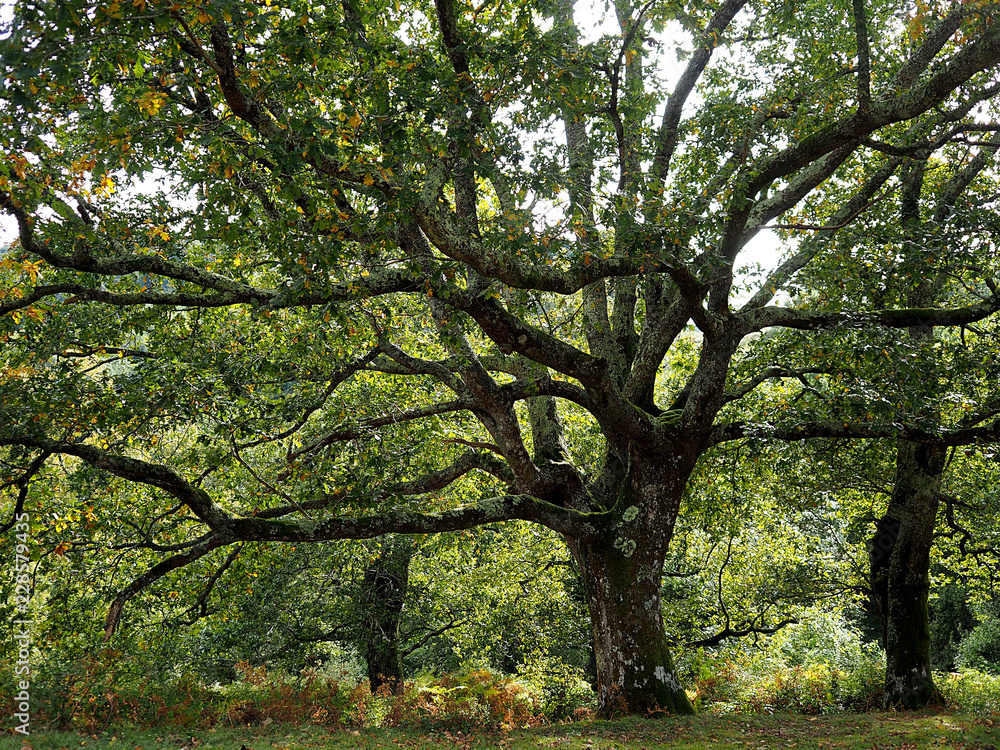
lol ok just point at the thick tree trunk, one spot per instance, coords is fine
(384, 591)
(900, 571)
(635, 671)
(622, 573)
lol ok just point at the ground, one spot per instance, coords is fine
(877, 731)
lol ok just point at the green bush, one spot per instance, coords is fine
(970, 691)
(713, 677)
(91, 693)
(817, 666)
(468, 700)
(951, 622)
(862, 683)
(807, 690)
(309, 698)
(820, 638)
(980, 649)
(563, 689)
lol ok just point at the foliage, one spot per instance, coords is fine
(980, 649)
(300, 272)
(469, 700)
(849, 732)
(951, 623)
(94, 693)
(563, 690)
(817, 666)
(972, 691)
(91, 696)
(753, 552)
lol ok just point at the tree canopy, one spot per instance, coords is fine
(303, 271)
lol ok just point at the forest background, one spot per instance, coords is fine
(381, 340)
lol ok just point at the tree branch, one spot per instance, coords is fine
(154, 574)
(583, 526)
(856, 430)
(23, 483)
(667, 136)
(864, 69)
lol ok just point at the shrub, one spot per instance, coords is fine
(817, 666)
(808, 690)
(476, 699)
(562, 689)
(91, 693)
(713, 677)
(309, 698)
(951, 622)
(970, 691)
(862, 683)
(980, 649)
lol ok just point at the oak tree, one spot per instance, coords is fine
(310, 271)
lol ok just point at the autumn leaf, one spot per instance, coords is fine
(157, 232)
(151, 102)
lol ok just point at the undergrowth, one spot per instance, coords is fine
(91, 697)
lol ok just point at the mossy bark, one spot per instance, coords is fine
(622, 572)
(900, 571)
(635, 670)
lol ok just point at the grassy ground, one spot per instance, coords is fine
(853, 732)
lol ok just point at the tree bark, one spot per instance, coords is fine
(384, 592)
(622, 573)
(900, 570)
(900, 553)
(635, 670)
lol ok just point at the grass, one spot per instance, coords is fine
(875, 731)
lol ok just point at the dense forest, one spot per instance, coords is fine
(615, 347)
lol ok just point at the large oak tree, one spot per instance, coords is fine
(396, 245)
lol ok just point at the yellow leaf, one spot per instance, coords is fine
(151, 102)
(31, 269)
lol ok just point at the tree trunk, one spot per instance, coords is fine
(635, 671)
(900, 570)
(622, 573)
(384, 591)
